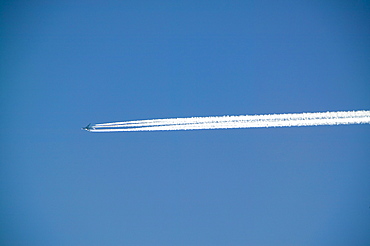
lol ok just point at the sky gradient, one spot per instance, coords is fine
(66, 64)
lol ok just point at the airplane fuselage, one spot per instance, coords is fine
(88, 128)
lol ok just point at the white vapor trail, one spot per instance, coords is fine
(242, 121)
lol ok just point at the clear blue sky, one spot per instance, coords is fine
(65, 64)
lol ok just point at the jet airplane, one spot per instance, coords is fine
(88, 128)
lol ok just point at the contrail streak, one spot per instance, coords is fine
(242, 121)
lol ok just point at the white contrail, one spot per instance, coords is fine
(242, 121)
(220, 119)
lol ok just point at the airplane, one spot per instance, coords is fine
(88, 127)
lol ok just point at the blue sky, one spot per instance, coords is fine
(66, 64)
